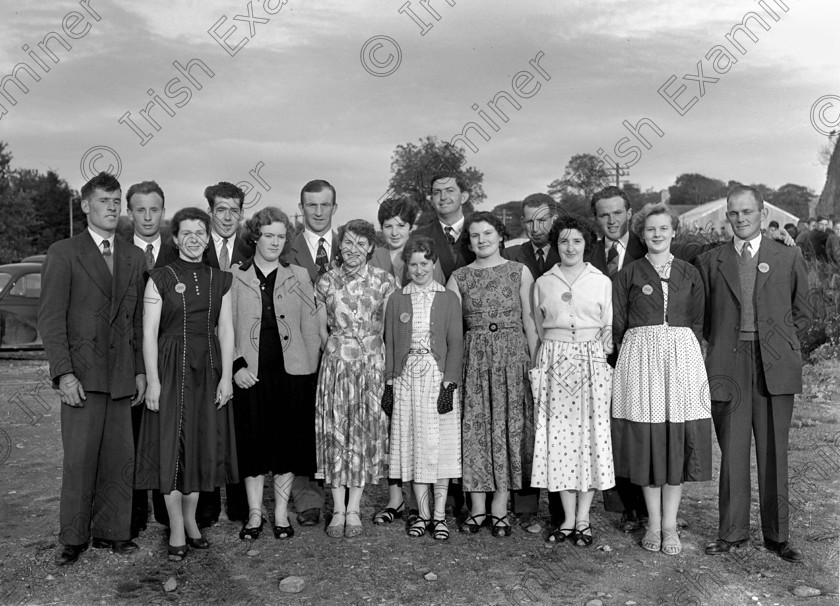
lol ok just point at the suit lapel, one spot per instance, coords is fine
(210, 257)
(303, 258)
(766, 257)
(123, 268)
(552, 259)
(90, 258)
(445, 252)
(635, 250)
(728, 261)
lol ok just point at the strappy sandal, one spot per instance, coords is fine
(439, 530)
(251, 534)
(671, 544)
(389, 514)
(558, 535)
(501, 526)
(581, 539)
(652, 541)
(472, 524)
(353, 530)
(336, 531)
(176, 553)
(418, 528)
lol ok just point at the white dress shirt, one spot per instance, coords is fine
(312, 243)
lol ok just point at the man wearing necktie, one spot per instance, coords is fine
(90, 318)
(757, 308)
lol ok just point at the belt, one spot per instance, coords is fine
(494, 326)
(419, 350)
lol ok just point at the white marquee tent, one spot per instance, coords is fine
(713, 214)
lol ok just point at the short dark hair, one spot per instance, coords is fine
(419, 244)
(812, 220)
(773, 224)
(537, 200)
(739, 189)
(404, 208)
(484, 216)
(611, 191)
(191, 213)
(565, 222)
(443, 174)
(821, 218)
(637, 223)
(144, 187)
(223, 189)
(104, 181)
(316, 185)
(361, 229)
(789, 225)
(267, 216)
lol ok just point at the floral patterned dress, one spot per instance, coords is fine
(351, 429)
(497, 434)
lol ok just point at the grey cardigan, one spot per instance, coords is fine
(447, 334)
(294, 308)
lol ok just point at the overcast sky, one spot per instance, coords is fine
(296, 95)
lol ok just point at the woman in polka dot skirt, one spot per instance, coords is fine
(661, 426)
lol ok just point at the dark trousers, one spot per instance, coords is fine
(625, 497)
(98, 477)
(525, 500)
(140, 498)
(767, 417)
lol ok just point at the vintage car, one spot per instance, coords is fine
(20, 288)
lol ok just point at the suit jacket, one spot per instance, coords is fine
(782, 313)
(91, 322)
(299, 255)
(451, 257)
(294, 309)
(241, 252)
(636, 249)
(166, 255)
(524, 253)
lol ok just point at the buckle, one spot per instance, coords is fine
(493, 327)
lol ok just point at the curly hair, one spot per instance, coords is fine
(485, 217)
(361, 229)
(637, 221)
(564, 222)
(226, 190)
(419, 244)
(267, 216)
(404, 208)
(191, 213)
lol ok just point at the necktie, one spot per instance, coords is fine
(321, 259)
(612, 259)
(450, 237)
(224, 256)
(106, 254)
(540, 261)
(746, 255)
(150, 257)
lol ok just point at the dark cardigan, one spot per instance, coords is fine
(446, 328)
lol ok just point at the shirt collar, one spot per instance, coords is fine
(217, 239)
(433, 286)
(97, 239)
(545, 249)
(456, 227)
(312, 238)
(142, 244)
(622, 241)
(755, 243)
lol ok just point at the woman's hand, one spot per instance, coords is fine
(224, 392)
(153, 395)
(244, 378)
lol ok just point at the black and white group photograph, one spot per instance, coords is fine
(419, 302)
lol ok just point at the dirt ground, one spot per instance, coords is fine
(386, 567)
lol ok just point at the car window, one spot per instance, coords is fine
(28, 286)
(4, 279)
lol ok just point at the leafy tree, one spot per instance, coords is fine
(794, 199)
(51, 198)
(695, 189)
(830, 198)
(511, 215)
(638, 198)
(16, 210)
(584, 175)
(413, 165)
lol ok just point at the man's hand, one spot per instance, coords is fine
(153, 395)
(782, 236)
(140, 383)
(244, 378)
(72, 392)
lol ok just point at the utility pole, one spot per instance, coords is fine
(620, 172)
(71, 216)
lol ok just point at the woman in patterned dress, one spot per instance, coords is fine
(661, 426)
(351, 429)
(424, 343)
(571, 381)
(497, 433)
(188, 445)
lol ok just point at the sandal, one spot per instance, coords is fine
(439, 530)
(418, 528)
(671, 544)
(389, 514)
(652, 541)
(199, 543)
(472, 524)
(176, 553)
(251, 533)
(557, 535)
(498, 529)
(353, 530)
(336, 531)
(283, 532)
(581, 539)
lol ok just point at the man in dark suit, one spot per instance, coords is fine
(314, 249)
(449, 194)
(817, 237)
(90, 318)
(145, 204)
(756, 308)
(619, 247)
(226, 249)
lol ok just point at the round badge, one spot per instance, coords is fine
(647, 289)
(180, 288)
(763, 268)
(405, 317)
(566, 296)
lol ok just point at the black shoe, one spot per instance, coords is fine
(69, 554)
(309, 517)
(235, 515)
(630, 522)
(118, 547)
(284, 532)
(784, 550)
(251, 534)
(721, 547)
(205, 522)
(199, 543)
